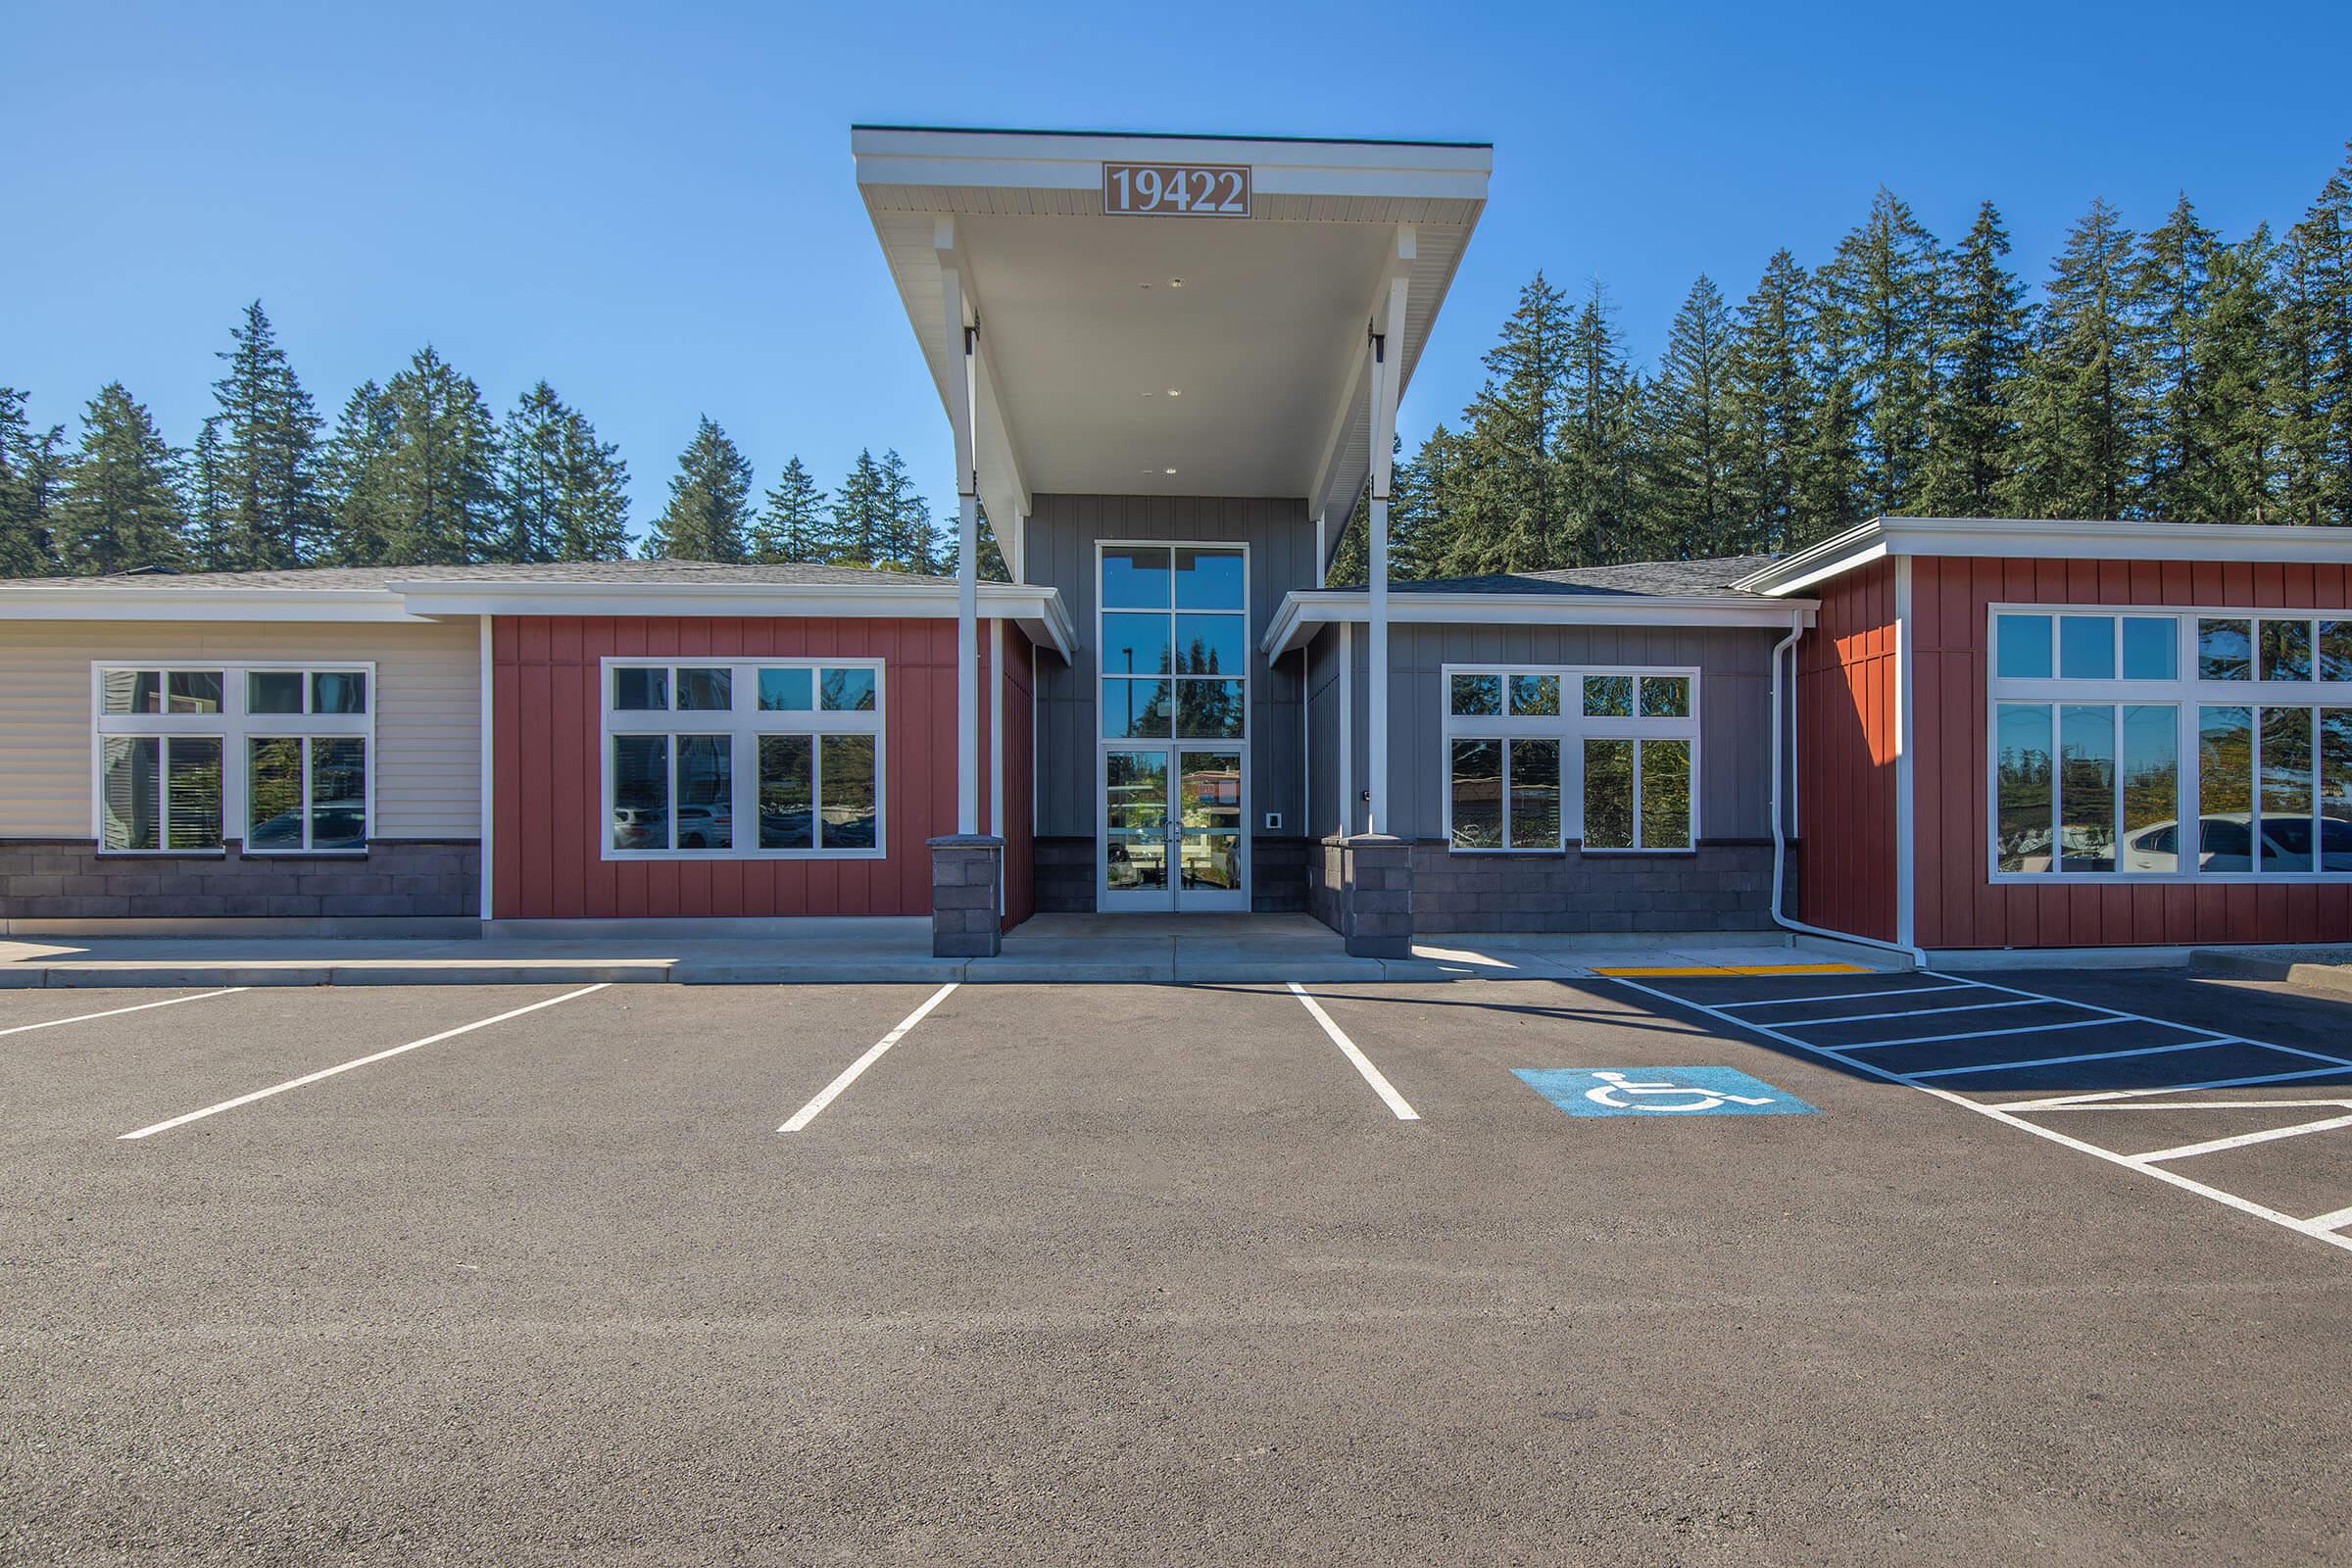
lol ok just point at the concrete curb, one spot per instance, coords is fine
(2335, 974)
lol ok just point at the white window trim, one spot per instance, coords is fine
(2186, 694)
(1572, 727)
(743, 723)
(235, 725)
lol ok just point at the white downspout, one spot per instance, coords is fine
(1779, 832)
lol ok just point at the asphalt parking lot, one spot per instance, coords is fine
(1183, 1274)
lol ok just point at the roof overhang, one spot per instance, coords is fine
(1090, 318)
(1038, 611)
(20, 602)
(1881, 538)
(1303, 612)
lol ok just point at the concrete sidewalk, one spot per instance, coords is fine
(1059, 949)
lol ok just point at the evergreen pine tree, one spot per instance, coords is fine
(1971, 427)
(272, 511)
(1512, 513)
(206, 504)
(861, 519)
(1690, 437)
(592, 502)
(909, 542)
(30, 469)
(1884, 310)
(791, 527)
(1599, 457)
(119, 511)
(2075, 413)
(1771, 404)
(531, 478)
(356, 468)
(992, 560)
(441, 470)
(2314, 338)
(2170, 286)
(708, 502)
(2234, 358)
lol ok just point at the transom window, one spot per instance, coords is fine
(1539, 759)
(274, 757)
(1174, 642)
(798, 742)
(2107, 740)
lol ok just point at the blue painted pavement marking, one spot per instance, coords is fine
(1659, 1092)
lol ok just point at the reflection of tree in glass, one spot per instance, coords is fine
(1210, 707)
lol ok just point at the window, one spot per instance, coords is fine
(798, 742)
(2236, 723)
(1174, 642)
(273, 756)
(1539, 759)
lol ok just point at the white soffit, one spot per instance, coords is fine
(1085, 330)
(2027, 539)
(1302, 612)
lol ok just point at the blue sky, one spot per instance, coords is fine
(653, 208)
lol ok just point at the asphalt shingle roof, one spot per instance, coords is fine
(1682, 578)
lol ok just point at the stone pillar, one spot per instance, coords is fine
(1376, 896)
(967, 878)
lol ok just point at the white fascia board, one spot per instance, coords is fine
(370, 605)
(1073, 160)
(1300, 612)
(2059, 540)
(1038, 610)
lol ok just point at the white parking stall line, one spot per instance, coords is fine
(2060, 1061)
(362, 1061)
(1907, 1012)
(874, 1053)
(2100, 1095)
(1841, 995)
(2319, 1229)
(1363, 1063)
(1976, 1034)
(2185, 1104)
(2214, 1146)
(117, 1012)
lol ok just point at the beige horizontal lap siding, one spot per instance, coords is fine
(428, 712)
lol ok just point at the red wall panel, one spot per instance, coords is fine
(1958, 904)
(548, 860)
(1846, 746)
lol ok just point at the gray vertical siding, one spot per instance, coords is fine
(1062, 538)
(1735, 698)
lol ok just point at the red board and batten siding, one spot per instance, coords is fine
(1958, 904)
(1846, 742)
(548, 739)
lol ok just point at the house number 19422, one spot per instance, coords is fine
(1177, 190)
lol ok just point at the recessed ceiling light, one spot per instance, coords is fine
(1175, 392)
(1175, 282)
(1171, 470)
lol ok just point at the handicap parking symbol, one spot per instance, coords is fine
(1659, 1092)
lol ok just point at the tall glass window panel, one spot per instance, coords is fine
(2151, 647)
(1134, 576)
(1608, 696)
(2023, 800)
(338, 792)
(192, 790)
(2283, 836)
(1665, 697)
(1608, 795)
(1535, 794)
(130, 792)
(2225, 650)
(193, 691)
(1476, 696)
(1208, 804)
(1210, 580)
(273, 691)
(1212, 645)
(1475, 776)
(705, 691)
(1138, 710)
(2335, 789)
(2335, 658)
(2285, 650)
(847, 691)
(851, 799)
(787, 690)
(637, 690)
(2085, 787)
(1136, 645)
(1135, 814)
(1209, 709)
(787, 790)
(274, 792)
(1665, 795)
(641, 792)
(2226, 789)
(706, 809)
(2021, 647)
(132, 691)
(2087, 647)
(339, 691)
(1535, 696)
(2151, 774)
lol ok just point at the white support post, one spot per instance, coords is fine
(1322, 549)
(1346, 730)
(1388, 354)
(963, 335)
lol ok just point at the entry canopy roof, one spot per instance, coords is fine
(1167, 355)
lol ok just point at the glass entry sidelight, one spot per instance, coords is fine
(1172, 830)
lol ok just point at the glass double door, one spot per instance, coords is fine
(1172, 827)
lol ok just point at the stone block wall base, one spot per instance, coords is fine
(967, 883)
(1363, 888)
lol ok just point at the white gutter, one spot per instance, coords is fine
(80, 602)
(1779, 831)
(1302, 610)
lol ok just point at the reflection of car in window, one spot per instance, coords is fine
(705, 828)
(639, 827)
(2225, 843)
